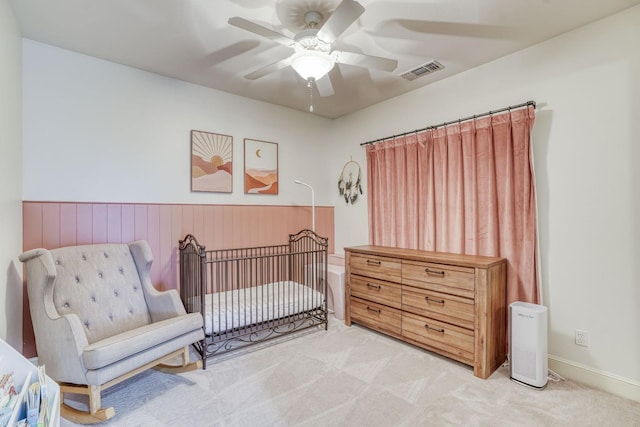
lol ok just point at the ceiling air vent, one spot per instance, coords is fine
(423, 70)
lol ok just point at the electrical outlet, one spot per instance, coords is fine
(582, 338)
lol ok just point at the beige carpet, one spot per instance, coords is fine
(350, 376)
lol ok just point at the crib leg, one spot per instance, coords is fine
(204, 360)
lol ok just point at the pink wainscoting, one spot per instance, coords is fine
(51, 225)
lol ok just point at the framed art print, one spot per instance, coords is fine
(260, 167)
(211, 162)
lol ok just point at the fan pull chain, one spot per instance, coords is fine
(310, 86)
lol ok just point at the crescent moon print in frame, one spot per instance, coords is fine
(260, 167)
(211, 162)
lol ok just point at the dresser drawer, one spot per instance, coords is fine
(439, 277)
(382, 268)
(447, 308)
(376, 290)
(459, 342)
(376, 316)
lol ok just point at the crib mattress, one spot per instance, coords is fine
(234, 309)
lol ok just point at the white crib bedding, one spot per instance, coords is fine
(242, 307)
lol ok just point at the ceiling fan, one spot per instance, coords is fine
(313, 55)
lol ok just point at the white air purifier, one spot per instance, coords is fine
(528, 344)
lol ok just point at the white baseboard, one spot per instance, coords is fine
(614, 384)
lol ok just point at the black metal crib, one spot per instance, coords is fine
(250, 295)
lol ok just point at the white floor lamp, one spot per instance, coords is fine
(313, 204)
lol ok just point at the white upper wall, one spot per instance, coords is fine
(586, 148)
(99, 131)
(10, 177)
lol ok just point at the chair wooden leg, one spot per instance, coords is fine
(185, 366)
(95, 414)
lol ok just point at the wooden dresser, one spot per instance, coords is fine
(451, 304)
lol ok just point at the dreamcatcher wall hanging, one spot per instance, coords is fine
(350, 182)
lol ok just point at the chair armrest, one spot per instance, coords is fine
(61, 348)
(60, 340)
(162, 304)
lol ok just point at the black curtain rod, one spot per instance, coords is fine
(488, 113)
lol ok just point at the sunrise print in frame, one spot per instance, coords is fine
(211, 162)
(260, 167)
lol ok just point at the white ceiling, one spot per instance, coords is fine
(191, 40)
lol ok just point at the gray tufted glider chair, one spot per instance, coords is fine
(98, 320)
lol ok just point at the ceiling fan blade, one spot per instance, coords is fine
(345, 14)
(252, 27)
(226, 53)
(260, 72)
(324, 86)
(367, 61)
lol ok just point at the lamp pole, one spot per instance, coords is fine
(313, 204)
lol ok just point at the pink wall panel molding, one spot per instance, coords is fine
(52, 225)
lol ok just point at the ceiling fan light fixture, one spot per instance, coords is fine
(312, 64)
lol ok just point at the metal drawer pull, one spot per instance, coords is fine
(431, 328)
(374, 310)
(371, 262)
(434, 272)
(377, 287)
(435, 301)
